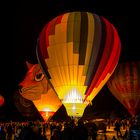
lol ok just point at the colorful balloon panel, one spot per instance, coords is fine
(78, 51)
(124, 84)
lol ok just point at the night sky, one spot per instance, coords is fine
(27, 21)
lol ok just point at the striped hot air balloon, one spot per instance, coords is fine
(124, 84)
(78, 51)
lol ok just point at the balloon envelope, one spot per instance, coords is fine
(124, 84)
(35, 88)
(78, 52)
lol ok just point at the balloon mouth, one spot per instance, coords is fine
(75, 109)
(74, 103)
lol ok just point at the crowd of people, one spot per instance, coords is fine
(71, 130)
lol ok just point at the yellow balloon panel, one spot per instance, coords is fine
(75, 109)
(66, 90)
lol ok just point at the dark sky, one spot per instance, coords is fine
(28, 19)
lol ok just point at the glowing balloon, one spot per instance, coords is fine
(78, 52)
(48, 104)
(125, 85)
(1, 100)
(35, 88)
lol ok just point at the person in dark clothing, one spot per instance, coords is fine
(9, 132)
(2, 134)
(67, 133)
(117, 128)
(26, 133)
(31, 133)
(104, 130)
(52, 127)
(80, 132)
(93, 131)
(56, 135)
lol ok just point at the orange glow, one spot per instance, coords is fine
(48, 103)
(1, 100)
(46, 114)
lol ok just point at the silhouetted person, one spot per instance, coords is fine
(117, 128)
(93, 131)
(9, 132)
(80, 132)
(67, 133)
(104, 131)
(56, 135)
(31, 132)
(2, 134)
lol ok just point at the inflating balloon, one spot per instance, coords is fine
(124, 84)
(78, 52)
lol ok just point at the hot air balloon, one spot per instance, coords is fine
(124, 84)
(78, 52)
(35, 88)
(1, 100)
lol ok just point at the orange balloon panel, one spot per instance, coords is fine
(48, 102)
(125, 85)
